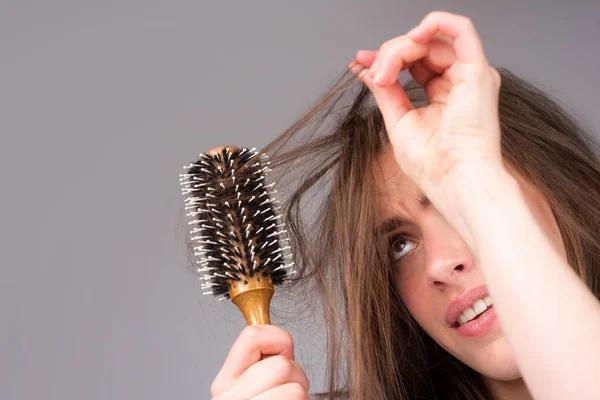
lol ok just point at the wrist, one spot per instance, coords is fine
(475, 197)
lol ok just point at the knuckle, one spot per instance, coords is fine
(403, 42)
(438, 15)
(465, 22)
(296, 391)
(475, 72)
(384, 46)
(215, 388)
(303, 378)
(282, 367)
(479, 73)
(283, 336)
(432, 15)
(287, 338)
(250, 333)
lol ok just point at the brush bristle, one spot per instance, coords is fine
(235, 226)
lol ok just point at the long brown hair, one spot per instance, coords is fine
(375, 349)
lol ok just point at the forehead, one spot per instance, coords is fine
(396, 193)
(393, 186)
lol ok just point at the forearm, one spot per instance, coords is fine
(548, 315)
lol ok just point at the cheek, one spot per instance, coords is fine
(414, 296)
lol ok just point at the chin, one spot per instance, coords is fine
(496, 361)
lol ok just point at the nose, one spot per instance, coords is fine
(448, 260)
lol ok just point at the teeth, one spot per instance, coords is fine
(471, 312)
(479, 306)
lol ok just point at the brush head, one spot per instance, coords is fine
(236, 232)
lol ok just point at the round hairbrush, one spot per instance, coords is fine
(240, 245)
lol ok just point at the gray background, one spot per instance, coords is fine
(102, 103)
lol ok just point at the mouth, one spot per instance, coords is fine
(469, 306)
(458, 322)
(472, 314)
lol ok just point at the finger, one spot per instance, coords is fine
(441, 55)
(391, 99)
(366, 57)
(247, 350)
(429, 71)
(438, 89)
(394, 56)
(459, 28)
(289, 391)
(421, 73)
(436, 86)
(266, 375)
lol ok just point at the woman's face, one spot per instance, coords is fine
(432, 266)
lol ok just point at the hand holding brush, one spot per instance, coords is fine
(238, 240)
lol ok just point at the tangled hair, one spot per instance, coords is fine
(375, 348)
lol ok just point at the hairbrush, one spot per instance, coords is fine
(240, 246)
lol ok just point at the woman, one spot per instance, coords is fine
(457, 252)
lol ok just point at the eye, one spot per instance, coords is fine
(398, 247)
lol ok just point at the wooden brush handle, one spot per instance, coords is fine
(253, 298)
(254, 304)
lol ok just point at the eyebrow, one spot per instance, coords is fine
(396, 222)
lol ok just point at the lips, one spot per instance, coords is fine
(458, 305)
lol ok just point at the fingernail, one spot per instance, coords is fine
(374, 70)
(378, 76)
(357, 68)
(354, 65)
